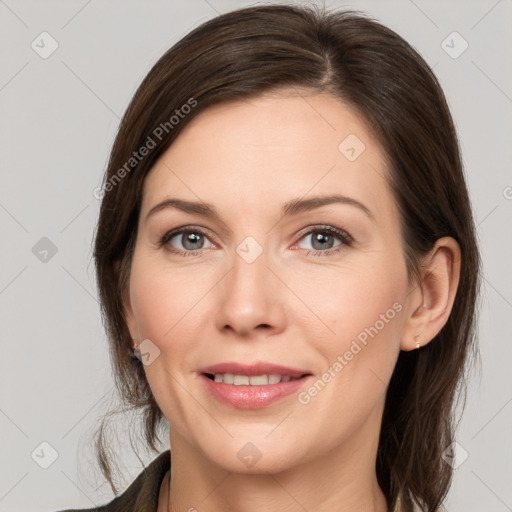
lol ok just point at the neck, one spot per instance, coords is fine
(341, 479)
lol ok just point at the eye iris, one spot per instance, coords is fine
(322, 237)
(191, 238)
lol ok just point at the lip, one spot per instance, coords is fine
(252, 397)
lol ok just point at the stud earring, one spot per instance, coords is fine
(136, 350)
(418, 345)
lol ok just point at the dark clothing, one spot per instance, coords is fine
(142, 494)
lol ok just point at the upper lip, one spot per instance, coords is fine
(252, 369)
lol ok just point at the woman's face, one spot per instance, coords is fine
(263, 281)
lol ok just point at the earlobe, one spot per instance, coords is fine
(431, 302)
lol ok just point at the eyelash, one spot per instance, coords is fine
(342, 235)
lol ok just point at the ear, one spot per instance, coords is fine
(430, 301)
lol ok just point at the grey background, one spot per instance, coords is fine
(59, 117)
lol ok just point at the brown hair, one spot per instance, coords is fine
(250, 51)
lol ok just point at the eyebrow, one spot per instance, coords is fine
(293, 207)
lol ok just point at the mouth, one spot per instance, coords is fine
(254, 391)
(252, 385)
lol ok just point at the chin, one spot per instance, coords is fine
(249, 458)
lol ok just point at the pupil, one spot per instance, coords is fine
(191, 238)
(321, 238)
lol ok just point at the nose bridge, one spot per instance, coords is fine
(248, 281)
(249, 297)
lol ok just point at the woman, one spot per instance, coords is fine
(288, 270)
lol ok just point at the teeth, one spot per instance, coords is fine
(256, 380)
(241, 380)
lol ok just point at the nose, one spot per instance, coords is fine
(251, 297)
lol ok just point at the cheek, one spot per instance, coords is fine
(345, 302)
(163, 304)
(162, 298)
(171, 306)
(358, 339)
(150, 306)
(358, 335)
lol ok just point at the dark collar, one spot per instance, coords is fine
(142, 494)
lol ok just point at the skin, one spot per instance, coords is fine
(289, 306)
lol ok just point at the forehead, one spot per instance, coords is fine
(277, 121)
(276, 145)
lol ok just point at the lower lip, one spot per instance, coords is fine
(252, 397)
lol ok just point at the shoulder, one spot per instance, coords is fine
(142, 494)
